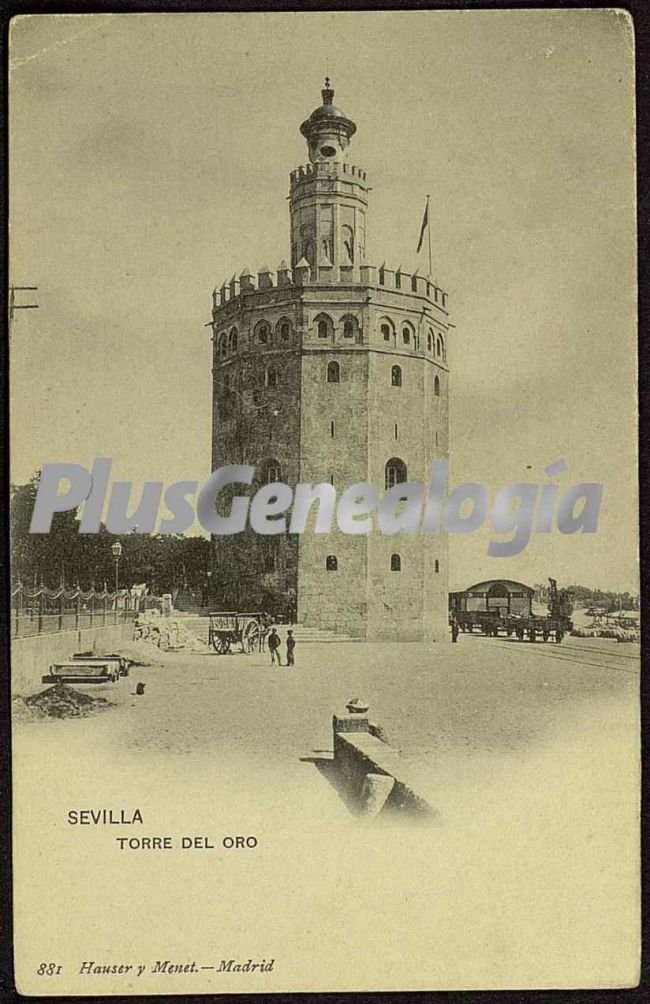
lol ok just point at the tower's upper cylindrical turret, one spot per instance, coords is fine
(328, 199)
(327, 131)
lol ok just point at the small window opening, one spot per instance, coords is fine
(333, 372)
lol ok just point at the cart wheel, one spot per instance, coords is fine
(221, 643)
(251, 637)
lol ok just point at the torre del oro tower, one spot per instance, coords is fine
(332, 369)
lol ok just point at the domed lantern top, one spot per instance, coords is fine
(327, 130)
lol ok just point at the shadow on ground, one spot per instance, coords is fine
(327, 768)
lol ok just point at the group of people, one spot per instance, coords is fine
(274, 642)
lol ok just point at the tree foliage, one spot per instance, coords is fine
(166, 563)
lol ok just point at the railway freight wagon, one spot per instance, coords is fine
(503, 606)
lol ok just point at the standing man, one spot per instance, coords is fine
(454, 629)
(291, 644)
(273, 642)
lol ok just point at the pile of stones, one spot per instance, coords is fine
(168, 633)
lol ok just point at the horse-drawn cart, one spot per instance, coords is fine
(228, 628)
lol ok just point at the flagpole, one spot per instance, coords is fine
(429, 236)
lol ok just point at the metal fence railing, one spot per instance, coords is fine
(44, 611)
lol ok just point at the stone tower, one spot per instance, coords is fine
(332, 370)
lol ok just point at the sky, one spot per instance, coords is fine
(149, 161)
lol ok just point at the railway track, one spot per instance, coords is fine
(539, 649)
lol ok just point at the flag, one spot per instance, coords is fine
(425, 224)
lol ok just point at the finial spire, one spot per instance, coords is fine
(327, 92)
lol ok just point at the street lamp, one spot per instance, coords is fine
(117, 554)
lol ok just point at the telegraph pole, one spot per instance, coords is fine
(13, 306)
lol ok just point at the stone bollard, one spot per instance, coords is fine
(374, 792)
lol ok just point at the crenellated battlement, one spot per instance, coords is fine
(382, 276)
(308, 172)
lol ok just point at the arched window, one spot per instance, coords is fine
(396, 376)
(348, 243)
(273, 471)
(395, 563)
(269, 562)
(395, 472)
(232, 341)
(331, 563)
(283, 329)
(398, 280)
(430, 342)
(439, 346)
(414, 283)
(436, 566)
(272, 377)
(223, 343)
(263, 332)
(324, 326)
(406, 335)
(333, 372)
(436, 386)
(387, 329)
(350, 326)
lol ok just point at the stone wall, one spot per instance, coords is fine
(31, 657)
(359, 755)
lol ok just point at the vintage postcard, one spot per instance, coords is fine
(324, 516)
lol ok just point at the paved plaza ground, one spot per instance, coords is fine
(455, 712)
(529, 753)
